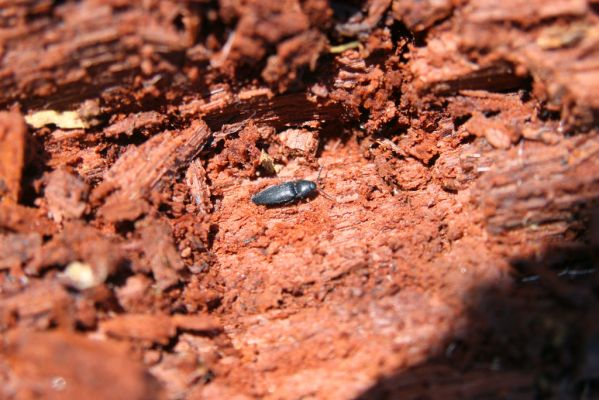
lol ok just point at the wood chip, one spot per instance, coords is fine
(198, 188)
(13, 132)
(200, 323)
(157, 328)
(154, 328)
(300, 140)
(66, 195)
(118, 208)
(17, 248)
(135, 122)
(17, 218)
(78, 242)
(152, 166)
(40, 305)
(69, 366)
(161, 253)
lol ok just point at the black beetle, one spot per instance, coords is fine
(288, 192)
(284, 193)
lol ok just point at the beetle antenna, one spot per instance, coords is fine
(318, 177)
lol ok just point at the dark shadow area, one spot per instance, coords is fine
(538, 338)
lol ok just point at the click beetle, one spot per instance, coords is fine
(287, 192)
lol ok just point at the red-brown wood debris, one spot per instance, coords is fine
(454, 253)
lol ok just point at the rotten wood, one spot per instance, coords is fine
(13, 140)
(72, 366)
(66, 195)
(92, 48)
(160, 251)
(147, 169)
(195, 178)
(18, 248)
(143, 122)
(540, 184)
(157, 328)
(433, 120)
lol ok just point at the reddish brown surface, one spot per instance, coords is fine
(452, 250)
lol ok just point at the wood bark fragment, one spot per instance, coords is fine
(161, 253)
(195, 178)
(135, 122)
(13, 139)
(118, 209)
(157, 328)
(40, 305)
(196, 322)
(154, 328)
(566, 76)
(300, 141)
(92, 48)
(148, 168)
(18, 248)
(79, 242)
(66, 195)
(76, 368)
(17, 218)
(420, 15)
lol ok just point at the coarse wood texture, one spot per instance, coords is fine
(453, 255)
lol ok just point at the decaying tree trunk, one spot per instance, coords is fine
(133, 134)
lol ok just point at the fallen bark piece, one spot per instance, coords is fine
(17, 218)
(61, 365)
(497, 133)
(156, 328)
(105, 42)
(18, 248)
(302, 141)
(421, 15)
(297, 52)
(420, 145)
(118, 209)
(441, 69)
(525, 12)
(136, 294)
(547, 136)
(200, 323)
(408, 174)
(66, 195)
(13, 138)
(78, 242)
(161, 253)
(148, 168)
(199, 190)
(42, 304)
(267, 162)
(142, 121)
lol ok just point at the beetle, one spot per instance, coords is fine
(287, 192)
